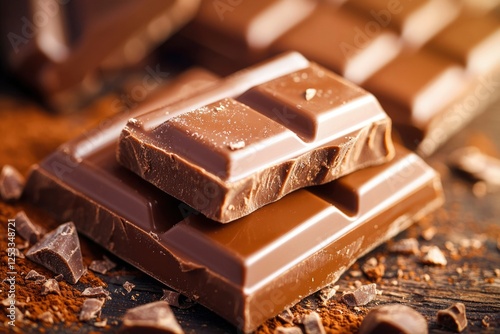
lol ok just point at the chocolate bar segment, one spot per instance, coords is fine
(230, 156)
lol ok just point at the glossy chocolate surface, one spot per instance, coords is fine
(228, 157)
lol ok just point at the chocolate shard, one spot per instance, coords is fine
(361, 296)
(59, 251)
(405, 246)
(286, 315)
(434, 256)
(453, 318)
(249, 270)
(288, 330)
(102, 266)
(11, 183)
(96, 292)
(156, 316)
(176, 299)
(27, 229)
(91, 308)
(50, 286)
(34, 275)
(373, 269)
(128, 286)
(284, 141)
(312, 324)
(393, 318)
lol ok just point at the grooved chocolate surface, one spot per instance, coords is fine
(228, 157)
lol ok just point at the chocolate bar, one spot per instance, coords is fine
(56, 46)
(248, 142)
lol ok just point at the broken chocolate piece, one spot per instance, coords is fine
(471, 162)
(393, 318)
(361, 296)
(35, 276)
(128, 286)
(176, 299)
(328, 292)
(102, 266)
(288, 143)
(288, 330)
(373, 269)
(59, 251)
(91, 308)
(11, 183)
(46, 317)
(286, 315)
(149, 317)
(434, 256)
(50, 286)
(453, 317)
(405, 246)
(96, 292)
(312, 324)
(26, 229)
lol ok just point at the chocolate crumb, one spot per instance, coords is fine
(176, 299)
(46, 317)
(361, 296)
(373, 269)
(26, 229)
(393, 318)
(405, 246)
(101, 324)
(18, 253)
(236, 146)
(128, 286)
(95, 292)
(429, 233)
(59, 277)
(453, 317)
(309, 94)
(33, 275)
(312, 324)
(152, 316)
(50, 286)
(59, 251)
(286, 316)
(327, 293)
(11, 183)
(288, 330)
(434, 256)
(102, 266)
(91, 308)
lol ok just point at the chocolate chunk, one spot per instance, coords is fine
(261, 259)
(405, 246)
(50, 286)
(361, 296)
(176, 299)
(34, 275)
(46, 317)
(339, 131)
(27, 229)
(393, 318)
(471, 162)
(373, 269)
(11, 183)
(453, 317)
(434, 256)
(128, 286)
(288, 330)
(286, 316)
(91, 308)
(312, 324)
(102, 266)
(150, 317)
(59, 251)
(96, 292)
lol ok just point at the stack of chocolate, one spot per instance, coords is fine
(249, 192)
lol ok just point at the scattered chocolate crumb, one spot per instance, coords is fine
(34, 276)
(373, 269)
(27, 229)
(361, 296)
(95, 292)
(405, 246)
(102, 266)
(312, 324)
(429, 233)
(434, 256)
(128, 286)
(236, 146)
(328, 292)
(59, 277)
(176, 299)
(50, 286)
(46, 317)
(101, 324)
(11, 183)
(393, 318)
(309, 94)
(286, 316)
(453, 317)
(288, 330)
(355, 273)
(485, 321)
(154, 235)
(91, 308)
(470, 161)
(59, 251)
(156, 315)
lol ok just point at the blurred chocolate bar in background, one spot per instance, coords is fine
(66, 50)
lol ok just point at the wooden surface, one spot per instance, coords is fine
(29, 133)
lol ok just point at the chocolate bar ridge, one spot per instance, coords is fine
(247, 143)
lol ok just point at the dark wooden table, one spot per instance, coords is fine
(468, 229)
